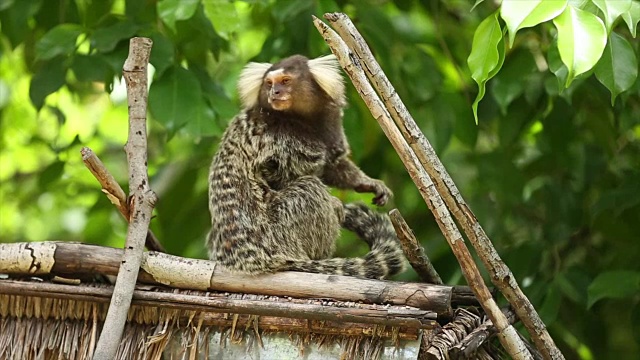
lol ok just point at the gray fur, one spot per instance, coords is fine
(270, 206)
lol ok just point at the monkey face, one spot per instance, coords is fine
(278, 85)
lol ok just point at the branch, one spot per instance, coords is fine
(472, 341)
(73, 260)
(142, 198)
(507, 334)
(413, 251)
(500, 274)
(154, 299)
(114, 192)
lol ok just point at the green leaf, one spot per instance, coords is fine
(50, 174)
(581, 40)
(557, 67)
(15, 18)
(105, 39)
(518, 14)
(551, 304)
(512, 80)
(618, 68)
(175, 98)
(632, 17)
(617, 284)
(478, 2)
(61, 40)
(486, 56)
(171, 11)
(223, 15)
(204, 123)
(162, 53)
(49, 78)
(615, 201)
(612, 10)
(635, 321)
(88, 68)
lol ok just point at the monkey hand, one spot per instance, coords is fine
(382, 193)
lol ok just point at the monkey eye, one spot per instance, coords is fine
(269, 83)
(285, 81)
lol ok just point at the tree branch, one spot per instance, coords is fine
(501, 276)
(353, 67)
(114, 192)
(80, 261)
(141, 195)
(413, 251)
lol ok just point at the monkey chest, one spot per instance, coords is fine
(289, 158)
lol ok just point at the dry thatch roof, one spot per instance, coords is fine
(52, 308)
(46, 320)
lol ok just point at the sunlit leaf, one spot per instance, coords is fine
(612, 10)
(485, 58)
(582, 37)
(632, 17)
(105, 39)
(614, 285)
(61, 40)
(223, 15)
(518, 14)
(5, 94)
(618, 68)
(175, 98)
(171, 11)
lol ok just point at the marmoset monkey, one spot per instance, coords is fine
(270, 206)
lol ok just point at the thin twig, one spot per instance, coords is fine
(413, 251)
(349, 61)
(500, 274)
(114, 192)
(142, 198)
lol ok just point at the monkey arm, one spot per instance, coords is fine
(344, 174)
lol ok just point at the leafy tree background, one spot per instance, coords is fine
(553, 174)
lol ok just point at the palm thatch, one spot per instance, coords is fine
(53, 307)
(38, 326)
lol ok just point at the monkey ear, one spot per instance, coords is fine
(326, 72)
(250, 82)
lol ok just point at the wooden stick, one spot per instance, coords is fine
(507, 334)
(413, 251)
(474, 339)
(141, 195)
(500, 274)
(213, 303)
(75, 260)
(114, 192)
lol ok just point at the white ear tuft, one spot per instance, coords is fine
(250, 82)
(326, 71)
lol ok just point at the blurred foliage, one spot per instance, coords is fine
(552, 173)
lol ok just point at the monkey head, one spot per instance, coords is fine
(293, 85)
